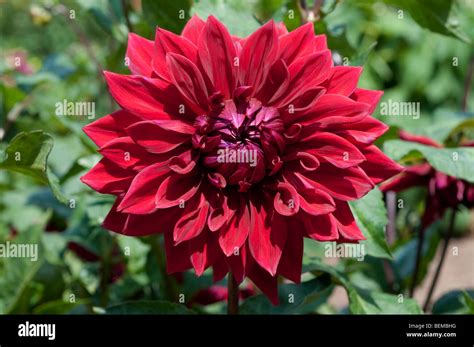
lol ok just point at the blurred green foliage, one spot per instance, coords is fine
(414, 50)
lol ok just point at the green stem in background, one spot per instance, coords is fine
(126, 15)
(168, 282)
(419, 251)
(467, 84)
(233, 295)
(309, 14)
(105, 272)
(447, 238)
(84, 40)
(391, 201)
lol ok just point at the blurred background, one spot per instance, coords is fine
(52, 51)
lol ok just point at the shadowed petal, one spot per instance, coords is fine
(193, 28)
(217, 56)
(140, 55)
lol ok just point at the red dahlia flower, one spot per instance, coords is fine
(443, 191)
(236, 148)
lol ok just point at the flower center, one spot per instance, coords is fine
(241, 142)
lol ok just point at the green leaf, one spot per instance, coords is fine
(436, 15)
(28, 154)
(148, 307)
(466, 125)
(59, 306)
(9, 97)
(361, 57)
(405, 256)
(455, 302)
(303, 298)
(266, 9)
(235, 14)
(371, 217)
(455, 161)
(170, 15)
(362, 301)
(18, 273)
(370, 302)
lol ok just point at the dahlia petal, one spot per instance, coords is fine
(219, 269)
(233, 235)
(193, 28)
(369, 97)
(267, 283)
(415, 175)
(150, 224)
(343, 80)
(406, 136)
(175, 190)
(177, 256)
(333, 149)
(307, 161)
(378, 166)
(192, 221)
(346, 224)
(316, 202)
(176, 125)
(291, 261)
(258, 53)
(267, 238)
(364, 132)
(109, 127)
(321, 228)
(297, 43)
(275, 84)
(138, 225)
(220, 213)
(140, 197)
(188, 80)
(286, 201)
(140, 55)
(125, 153)
(320, 43)
(217, 55)
(302, 102)
(203, 251)
(183, 163)
(115, 221)
(167, 42)
(281, 29)
(107, 178)
(343, 184)
(217, 218)
(238, 263)
(332, 109)
(144, 97)
(154, 138)
(307, 72)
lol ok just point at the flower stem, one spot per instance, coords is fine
(467, 84)
(127, 17)
(168, 282)
(447, 238)
(391, 201)
(233, 295)
(419, 250)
